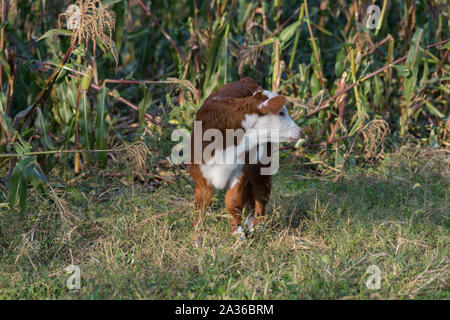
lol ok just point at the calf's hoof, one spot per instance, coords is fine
(254, 224)
(239, 231)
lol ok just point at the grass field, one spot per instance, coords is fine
(134, 242)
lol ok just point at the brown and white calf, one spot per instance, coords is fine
(246, 106)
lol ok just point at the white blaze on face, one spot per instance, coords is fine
(288, 129)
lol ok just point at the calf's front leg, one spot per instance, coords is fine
(260, 190)
(203, 195)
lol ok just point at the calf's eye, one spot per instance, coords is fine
(282, 114)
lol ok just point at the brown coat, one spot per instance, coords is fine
(226, 108)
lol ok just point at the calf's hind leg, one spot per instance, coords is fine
(233, 203)
(203, 195)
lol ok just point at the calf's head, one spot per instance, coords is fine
(271, 113)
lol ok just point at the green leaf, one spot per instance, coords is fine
(5, 64)
(402, 71)
(35, 176)
(80, 50)
(101, 129)
(142, 109)
(433, 110)
(136, 34)
(225, 60)
(339, 67)
(21, 146)
(87, 78)
(77, 194)
(268, 41)
(112, 1)
(378, 85)
(2, 101)
(357, 124)
(425, 74)
(315, 84)
(288, 32)
(54, 32)
(41, 125)
(18, 190)
(313, 55)
(412, 63)
(85, 125)
(432, 140)
(5, 121)
(119, 11)
(114, 53)
(37, 173)
(213, 63)
(64, 107)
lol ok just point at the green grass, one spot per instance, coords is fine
(132, 241)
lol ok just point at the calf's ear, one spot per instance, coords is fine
(273, 105)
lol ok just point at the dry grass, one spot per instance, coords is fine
(374, 135)
(134, 156)
(90, 20)
(318, 243)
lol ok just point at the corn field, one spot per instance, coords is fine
(83, 82)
